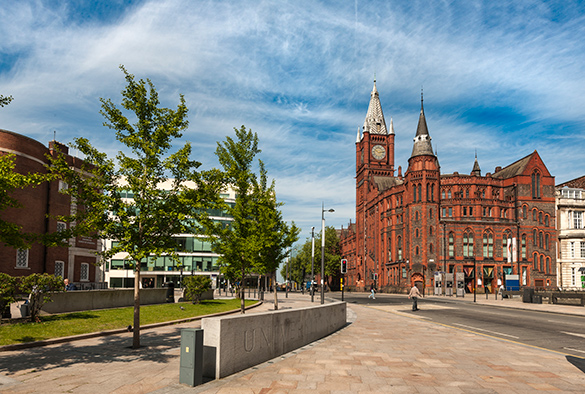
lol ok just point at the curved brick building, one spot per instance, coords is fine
(76, 262)
(440, 231)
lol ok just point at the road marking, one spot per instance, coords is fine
(574, 350)
(481, 329)
(574, 334)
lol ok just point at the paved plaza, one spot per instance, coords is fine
(383, 349)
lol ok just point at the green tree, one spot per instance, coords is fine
(169, 195)
(195, 286)
(7, 291)
(39, 288)
(5, 100)
(11, 234)
(302, 260)
(257, 239)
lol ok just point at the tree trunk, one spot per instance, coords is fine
(242, 301)
(275, 295)
(136, 328)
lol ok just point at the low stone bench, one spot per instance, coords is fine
(234, 343)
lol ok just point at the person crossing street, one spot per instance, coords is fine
(414, 294)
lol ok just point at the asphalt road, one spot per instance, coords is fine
(553, 331)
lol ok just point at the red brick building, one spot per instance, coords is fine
(40, 205)
(411, 227)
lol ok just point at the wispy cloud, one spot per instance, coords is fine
(503, 77)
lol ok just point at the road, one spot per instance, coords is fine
(552, 331)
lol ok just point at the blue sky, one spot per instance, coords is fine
(500, 77)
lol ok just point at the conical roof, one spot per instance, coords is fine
(375, 123)
(422, 140)
(476, 170)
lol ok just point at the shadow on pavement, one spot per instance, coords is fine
(117, 348)
(577, 362)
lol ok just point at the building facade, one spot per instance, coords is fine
(420, 226)
(194, 253)
(570, 197)
(40, 206)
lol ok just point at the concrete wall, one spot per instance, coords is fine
(82, 300)
(234, 343)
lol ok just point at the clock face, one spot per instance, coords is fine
(378, 152)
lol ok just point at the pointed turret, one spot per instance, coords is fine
(422, 140)
(476, 170)
(359, 136)
(375, 123)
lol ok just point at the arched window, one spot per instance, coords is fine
(449, 193)
(443, 194)
(488, 244)
(416, 233)
(430, 213)
(416, 215)
(535, 261)
(431, 231)
(524, 211)
(451, 245)
(546, 220)
(540, 217)
(468, 243)
(432, 193)
(534, 237)
(466, 193)
(540, 240)
(523, 246)
(431, 248)
(541, 263)
(535, 185)
(534, 214)
(416, 251)
(546, 240)
(399, 242)
(428, 192)
(505, 237)
(548, 271)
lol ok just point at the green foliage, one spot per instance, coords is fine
(5, 100)
(10, 233)
(195, 286)
(302, 259)
(7, 291)
(39, 288)
(145, 225)
(258, 238)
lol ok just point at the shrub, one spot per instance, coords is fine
(195, 286)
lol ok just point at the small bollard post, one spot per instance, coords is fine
(191, 366)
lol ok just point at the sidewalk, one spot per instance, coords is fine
(383, 350)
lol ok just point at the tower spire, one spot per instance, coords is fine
(422, 139)
(375, 122)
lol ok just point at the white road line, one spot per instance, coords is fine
(574, 334)
(481, 329)
(574, 350)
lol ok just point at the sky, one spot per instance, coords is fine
(500, 79)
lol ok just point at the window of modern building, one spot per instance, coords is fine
(22, 258)
(84, 272)
(60, 269)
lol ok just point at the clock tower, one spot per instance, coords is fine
(374, 158)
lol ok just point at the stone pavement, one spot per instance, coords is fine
(385, 349)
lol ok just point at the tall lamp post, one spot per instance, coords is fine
(312, 263)
(323, 210)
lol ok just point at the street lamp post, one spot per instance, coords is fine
(323, 251)
(312, 263)
(286, 283)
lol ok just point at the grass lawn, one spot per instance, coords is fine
(62, 325)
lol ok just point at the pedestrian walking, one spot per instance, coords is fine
(414, 294)
(372, 292)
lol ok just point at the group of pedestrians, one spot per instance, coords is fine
(414, 295)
